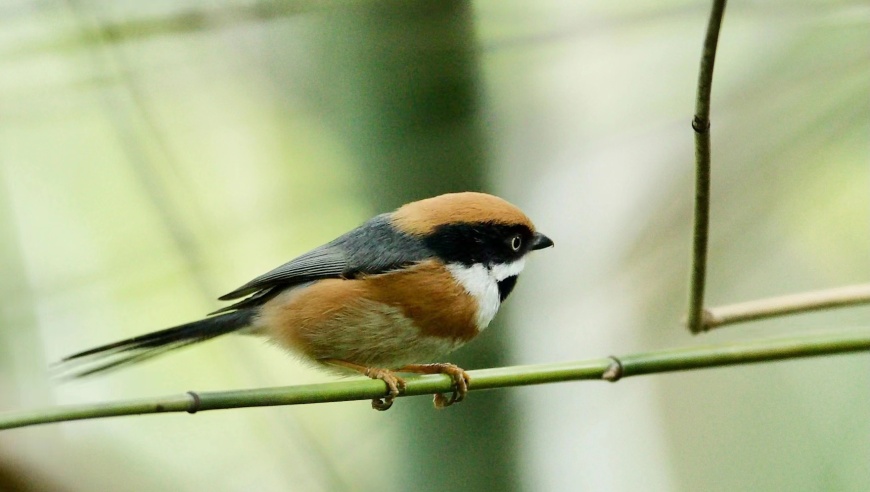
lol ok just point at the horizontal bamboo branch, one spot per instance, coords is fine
(852, 295)
(611, 368)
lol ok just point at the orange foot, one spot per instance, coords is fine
(395, 384)
(460, 380)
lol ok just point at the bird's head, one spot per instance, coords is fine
(474, 233)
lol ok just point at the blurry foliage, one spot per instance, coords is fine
(155, 155)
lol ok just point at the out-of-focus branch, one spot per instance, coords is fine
(701, 125)
(611, 368)
(816, 300)
(185, 21)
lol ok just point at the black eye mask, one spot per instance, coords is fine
(485, 243)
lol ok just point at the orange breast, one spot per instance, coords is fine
(428, 294)
(391, 319)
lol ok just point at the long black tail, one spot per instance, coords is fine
(143, 347)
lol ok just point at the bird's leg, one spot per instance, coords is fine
(395, 384)
(460, 380)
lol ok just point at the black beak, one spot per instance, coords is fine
(541, 241)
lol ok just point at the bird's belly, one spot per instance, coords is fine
(376, 335)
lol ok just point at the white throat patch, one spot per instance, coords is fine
(482, 283)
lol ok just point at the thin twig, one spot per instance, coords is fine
(610, 368)
(701, 125)
(851, 295)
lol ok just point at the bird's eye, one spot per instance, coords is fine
(516, 243)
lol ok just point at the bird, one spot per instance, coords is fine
(403, 289)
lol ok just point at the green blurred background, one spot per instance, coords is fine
(154, 156)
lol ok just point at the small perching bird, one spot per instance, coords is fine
(403, 288)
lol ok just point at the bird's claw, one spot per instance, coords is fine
(460, 385)
(395, 386)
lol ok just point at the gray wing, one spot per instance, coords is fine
(374, 247)
(326, 261)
